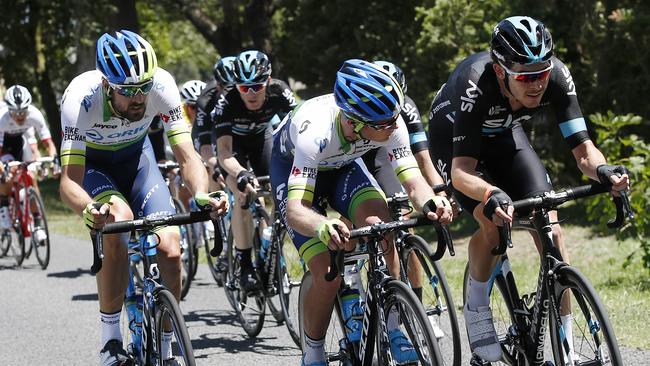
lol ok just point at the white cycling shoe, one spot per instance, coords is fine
(482, 336)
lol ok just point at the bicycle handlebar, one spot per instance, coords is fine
(148, 225)
(378, 230)
(551, 200)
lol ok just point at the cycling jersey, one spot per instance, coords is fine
(312, 161)
(202, 131)
(116, 152)
(12, 133)
(231, 117)
(471, 117)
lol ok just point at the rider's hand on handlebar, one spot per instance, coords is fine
(493, 206)
(614, 175)
(218, 202)
(96, 218)
(334, 233)
(438, 209)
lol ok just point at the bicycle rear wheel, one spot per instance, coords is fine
(436, 299)
(5, 242)
(414, 324)
(218, 266)
(168, 315)
(187, 254)
(594, 342)
(250, 308)
(291, 270)
(38, 221)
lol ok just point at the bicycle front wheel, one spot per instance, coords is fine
(413, 324)
(436, 297)
(5, 242)
(291, 270)
(38, 222)
(172, 338)
(594, 342)
(187, 254)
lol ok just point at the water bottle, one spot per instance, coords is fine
(266, 241)
(134, 308)
(350, 307)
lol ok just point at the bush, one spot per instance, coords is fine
(621, 147)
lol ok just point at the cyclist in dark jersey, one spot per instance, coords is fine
(476, 137)
(243, 129)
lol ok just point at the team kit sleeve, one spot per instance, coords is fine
(171, 108)
(39, 125)
(222, 116)
(468, 110)
(73, 126)
(400, 155)
(417, 134)
(567, 109)
(302, 178)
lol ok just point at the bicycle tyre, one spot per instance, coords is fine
(439, 309)
(167, 309)
(187, 254)
(250, 310)
(42, 249)
(273, 302)
(290, 272)
(503, 313)
(217, 265)
(5, 242)
(414, 324)
(18, 245)
(592, 328)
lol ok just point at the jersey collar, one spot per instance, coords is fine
(346, 146)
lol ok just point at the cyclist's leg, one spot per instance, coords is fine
(112, 280)
(319, 300)
(12, 149)
(150, 199)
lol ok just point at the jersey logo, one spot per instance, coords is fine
(504, 122)
(412, 113)
(304, 126)
(569, 81)
(321, 143)
(471, 93)
(295, 171)
(496, 109)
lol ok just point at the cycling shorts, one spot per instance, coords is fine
(254, 150)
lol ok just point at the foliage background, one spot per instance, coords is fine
(606, 44)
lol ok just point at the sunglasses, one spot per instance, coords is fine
(131, 90)
(255, 88)
(378, 126)
(530, 76)
(15, 113)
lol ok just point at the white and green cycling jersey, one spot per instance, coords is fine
(311, 137)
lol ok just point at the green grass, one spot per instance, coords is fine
(624, 291)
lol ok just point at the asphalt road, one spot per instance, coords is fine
(51, 318)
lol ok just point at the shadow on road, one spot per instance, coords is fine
(85, 297)
(70, 274)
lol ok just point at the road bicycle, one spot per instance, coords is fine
(189, 253)
(383, 295)
(27, 213)
(269, 268)
(153, 311)
(436, 294)
(523, 321)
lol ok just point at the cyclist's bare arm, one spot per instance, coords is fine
(304, 220)
(466, 179)
(226, 158)
(428, 170)
(194, 174)
(71, 188)
(588, 158)
(35, 153)
(49, 147)
(420, 192)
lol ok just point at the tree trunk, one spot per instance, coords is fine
(126, 17)
(48, 96)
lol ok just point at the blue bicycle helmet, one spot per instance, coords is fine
(521, 40)
(125, 58)
(252, 67)
(366, 92)
(394, 71)
(224, 71)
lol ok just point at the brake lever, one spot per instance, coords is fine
(337, 258)
(505, 238)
